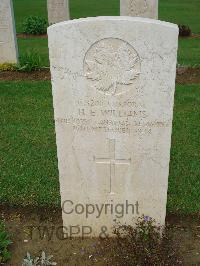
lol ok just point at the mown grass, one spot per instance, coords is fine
(28, 151)
(40, 45)
(189, 52)
(184, 182)
(184, 12)
(24, 8)
(29, 174)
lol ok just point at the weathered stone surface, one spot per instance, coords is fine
(139, 8)
(8, 44)
(58, 11)
(113, 84)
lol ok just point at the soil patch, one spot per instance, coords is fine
(193, 36)
(28, 36)
(34, 75)
(188, 75)
(27, 229)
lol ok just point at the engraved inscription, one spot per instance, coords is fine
(112, 65)
(126, 117)
(137, 7)
(112, 161)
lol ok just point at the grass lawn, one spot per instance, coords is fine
(188, 54)
(184, 182)
(28, 151)
(177, 11)
(38, 44)
(29, 172)
(24, 8)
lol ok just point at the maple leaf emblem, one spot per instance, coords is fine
(110, 63)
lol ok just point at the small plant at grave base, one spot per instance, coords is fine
(29, 261)
(5, 255)
(7, 67)
(46, 260)
(184, 31)
(43, 260)
(145, 243)
(29, 61)
(34, 25)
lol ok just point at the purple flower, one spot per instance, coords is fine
(147, 218)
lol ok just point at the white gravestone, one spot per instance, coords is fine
(8, 43)
(113, 84)
(139, 8)
(58, 10)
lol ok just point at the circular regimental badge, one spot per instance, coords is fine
(111, 66)
(139, 5)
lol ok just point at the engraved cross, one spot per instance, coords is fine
(112, 161)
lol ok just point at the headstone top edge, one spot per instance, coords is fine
(114, 18)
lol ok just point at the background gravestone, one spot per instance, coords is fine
(58, 10)
(139, 8)
(8, 44)
(113, 92)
